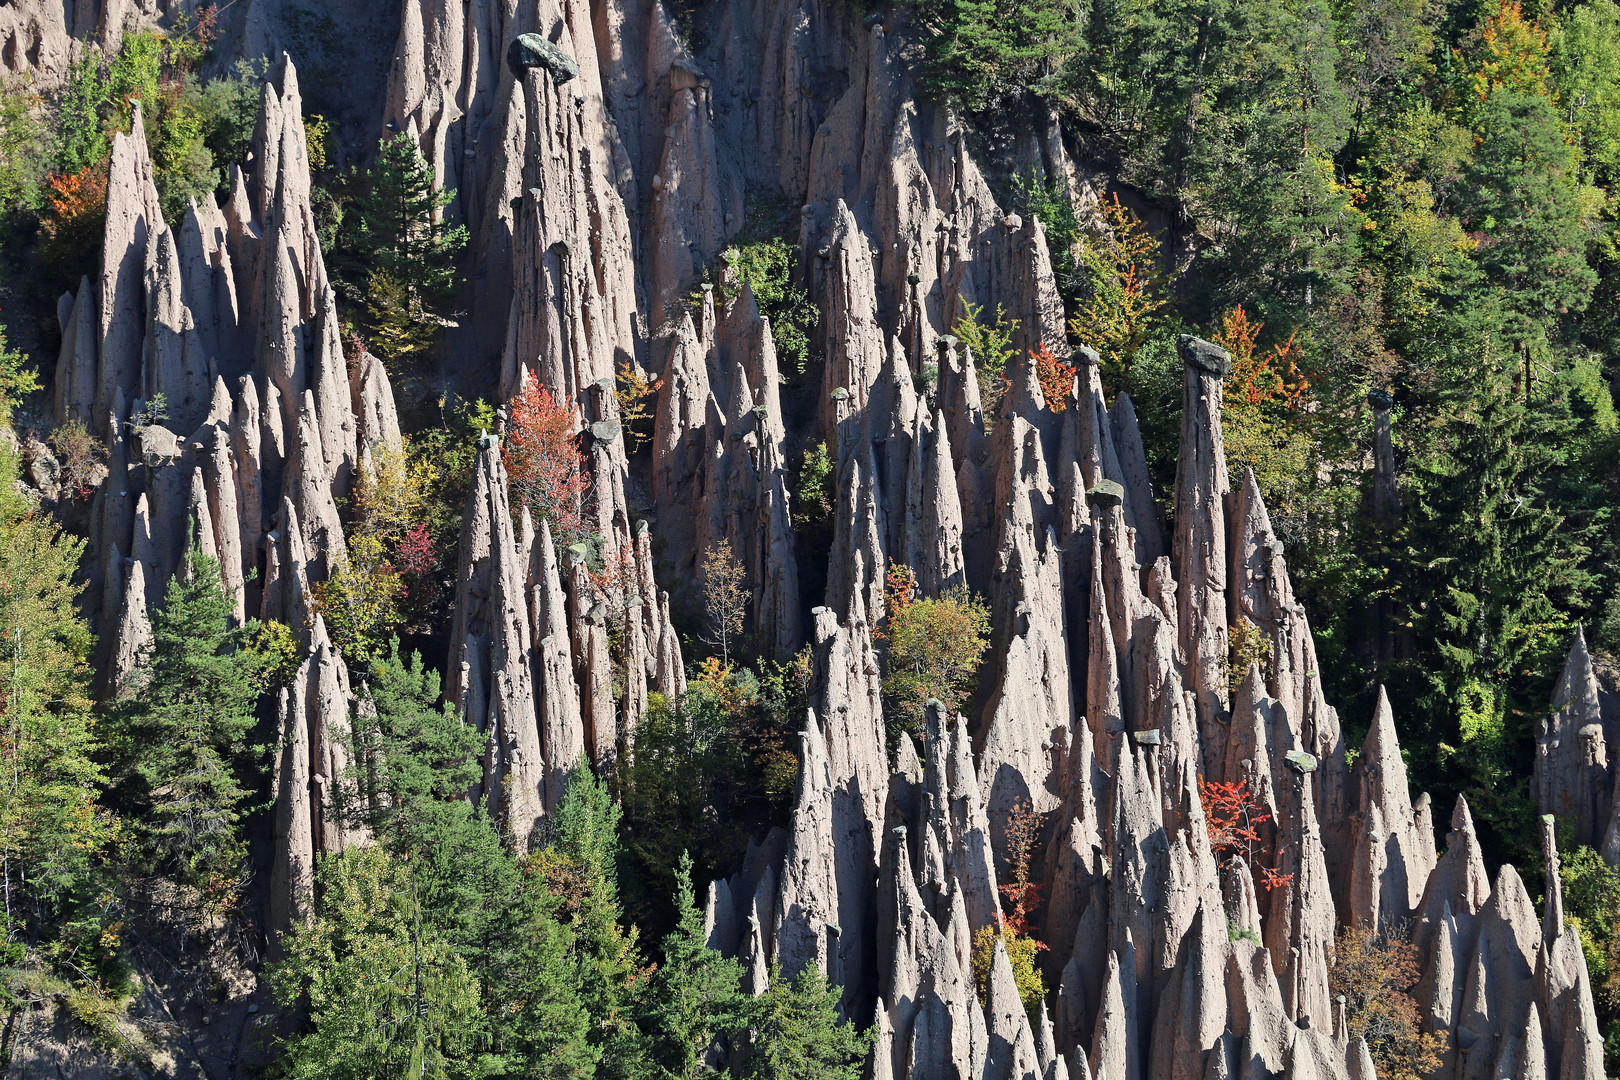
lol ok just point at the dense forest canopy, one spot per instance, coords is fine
(1397, 219)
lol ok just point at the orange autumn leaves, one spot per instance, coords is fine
(1260, 377)
(74, 216)
(543, 461)
(1233, 816)
(1055, 376)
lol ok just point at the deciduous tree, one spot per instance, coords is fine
(933, 646)
(544, 465)
(726, 596)
(1376, 975)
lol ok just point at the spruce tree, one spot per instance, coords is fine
(54, 835)
(579, 868)
(398, 253)
(419, 754)
(799, 1035)
(415, 762)
(694, 998)
(500, 985)
(387, 992)
(540, 995)
(1524, 201)
(1490, 566)
(190, 767)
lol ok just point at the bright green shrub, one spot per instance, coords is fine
(24, 148)
(813, 492)
(934, 647)
(767, 267)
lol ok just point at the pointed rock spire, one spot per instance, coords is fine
(1199, 545)
(491, 680)
(933, 521)
(1030, 702)
(1571, 769)
(807, 905)
(1013, 1054)
(1192, 1014)
(74, 392)
(133, 215)
(562, 728)
(1116, 1049)
(1143, 510)
(1500, 989)
(1389, 862)
(292, 870)
(134, 626)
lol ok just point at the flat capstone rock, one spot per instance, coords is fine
(532, 51)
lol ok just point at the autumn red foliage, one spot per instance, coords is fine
(1233, 817)
(73, 195)
(72, 222)
(206, 28)
(618, 576)
(543, 461)
(1056, 377)
(900, 585)
(1023, 895)
(416, 553)
(899, 590)
(354, 347)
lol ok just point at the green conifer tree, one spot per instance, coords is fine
(415, 763)
(799, 1035)
(387, 992)
(499, 987)
(420, 755)
(54, 834)
(694, 998)
(1526, 206)
(1488, 568)
(190, 766)
(398, 254)
(580, 869)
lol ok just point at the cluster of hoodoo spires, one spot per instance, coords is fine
(1165, 961)
(210, 362)
(599, 168)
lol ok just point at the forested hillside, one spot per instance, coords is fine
(934, 539)
(1404, 199)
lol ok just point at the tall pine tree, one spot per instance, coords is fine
(387, 991)
(462, 954)
(189, 766)
(694, 997)
(54, 834)
(797, 1033)
(1488, 571)
(421, 759)
(398, 254)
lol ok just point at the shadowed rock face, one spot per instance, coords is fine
(600, 165)
(280, 423)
